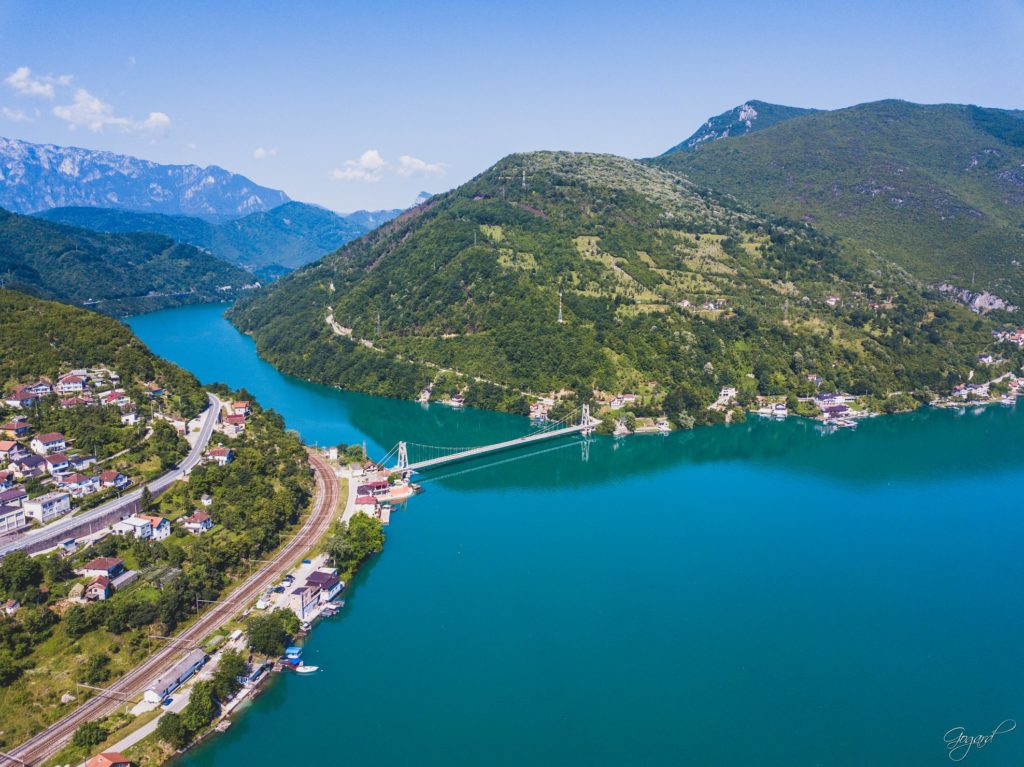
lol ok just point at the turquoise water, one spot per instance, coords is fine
(749, 595)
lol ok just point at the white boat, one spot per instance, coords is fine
(306, 669)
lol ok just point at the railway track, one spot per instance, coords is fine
(37, 749)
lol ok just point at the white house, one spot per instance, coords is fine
(52, 442)
(11, 518)
(79, 484)
(171, 680)
(70, 384)
(111, 478)
(222, 456)
(57, 463)
(198, 522)
(136, 527)
(130, 418)
(47, 507)
(161, 527)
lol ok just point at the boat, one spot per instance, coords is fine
(293, 652)
(664, 427)
(306, 669)
(780, 411)
(223, 725)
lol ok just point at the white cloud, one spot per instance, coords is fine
(23, 82)
(411, 166)
(19, 115)
(262, 154)
(131, 62)
(90, 112)
(369, 167)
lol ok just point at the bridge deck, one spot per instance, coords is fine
(507, 445)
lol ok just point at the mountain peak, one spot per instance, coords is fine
(748, 117)
(38, 177)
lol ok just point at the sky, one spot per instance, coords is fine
(364, 105)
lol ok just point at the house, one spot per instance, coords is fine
(79, 484)
(303, 600)
(16, 428)
(111, 478)
(206, 500)
(108, 566)
(327, 580)
(40, 388)
(47, 507)
(11, 606)
(240, 408)
(98, 589)
(161, 528)
(12, 518)
(70, 384)
(117, 398)
(222, 456)
(234, 425)
(134, 526)
(814, 378)
(51, 442)
(172, 679)
(376, 488)
(154, 390)
(110, 759)
(80, 462)
(198, 522)
(832, 300)
(6, 479)
(28, 467)
(14, 497)
(57, 463)
(367, 504)
(9, 450)
(833, 412)
(727, 393)
(986, 359)
(71, 402)
(21, 400)
(129, 418)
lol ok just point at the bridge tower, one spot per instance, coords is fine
(403, 457)
(585, 419)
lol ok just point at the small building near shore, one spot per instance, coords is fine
(175, 676)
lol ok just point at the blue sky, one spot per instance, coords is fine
(362, 105)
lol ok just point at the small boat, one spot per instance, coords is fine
(664, 427)
(293, 652)
(223, 725)
(304, 669)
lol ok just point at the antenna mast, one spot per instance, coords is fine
(560, 320)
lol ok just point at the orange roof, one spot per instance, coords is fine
(108, 759)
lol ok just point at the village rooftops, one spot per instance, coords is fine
(109, 759)
(106, 565)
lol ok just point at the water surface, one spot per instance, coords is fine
(757, 594)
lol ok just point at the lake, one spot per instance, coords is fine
(753, 594)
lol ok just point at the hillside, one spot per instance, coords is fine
(937, 189)
(46, 338)
(666, 291)
(266, 243)
(113, 273)
(750, 116)
(36, 177)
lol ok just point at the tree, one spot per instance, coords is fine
(89, 734)
(77, 622)
(225, 680)
(96, 669)
(9, 668)
(267, 633)
(171, 730)
(18, 571)
(201, 708)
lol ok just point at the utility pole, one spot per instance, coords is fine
(561, 321)
(524, 178)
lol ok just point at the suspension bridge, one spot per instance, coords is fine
(578, 421)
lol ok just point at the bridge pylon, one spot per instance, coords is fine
(585, 419)
(403, 457)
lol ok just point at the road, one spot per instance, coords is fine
(46, 744)
(57, 531)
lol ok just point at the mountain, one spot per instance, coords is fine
(36, 177)
(113, 273)
(748, 117)
(267, 243)
(665, 289)
(938, 189)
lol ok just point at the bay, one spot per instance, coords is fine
(757, 594)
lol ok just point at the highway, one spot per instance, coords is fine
(47, 743)
(57, 531)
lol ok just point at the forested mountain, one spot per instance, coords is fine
(266, 243)
(36, 177)
(750, 116)
(113, 273)
(937, 189)
(46, 338)
(666, 289)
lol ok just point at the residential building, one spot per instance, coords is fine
(47, 507)
(161, 528)
(111, 478)
(16, 428)
(57, 463)
(11, 606)
(79, 484)
(28, 467)
(10, 450)
(98, 589)
(81, 462)
(198, 522)
(327, 580)
(117, 398)
(70, 384)
(367, 504)
(14, 497)
(12, 518)
(222, 456)
(303, 601)
(172, 679)
(134, 526)
(129, 418)
(108, 566)
(110, 759)
(21, 400)
(234, 425)
(51, 442)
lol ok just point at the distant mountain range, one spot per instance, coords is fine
(113, 273)
(268, 243)
(748, 117)
(937, 189)
(36, 177)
